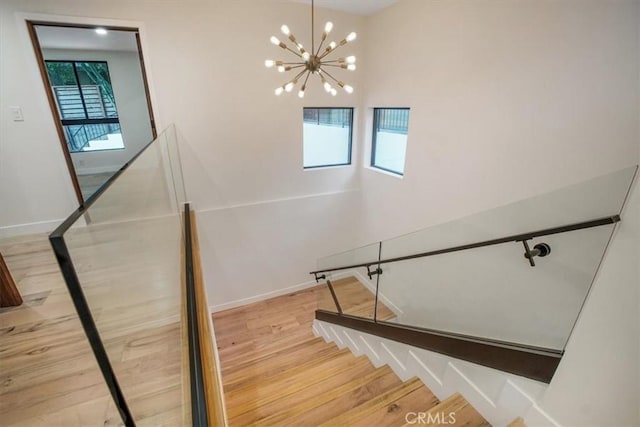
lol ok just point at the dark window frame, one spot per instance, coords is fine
(350, 146)
(87, 120)
(374, 136)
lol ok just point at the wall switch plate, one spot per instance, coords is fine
(16, 114)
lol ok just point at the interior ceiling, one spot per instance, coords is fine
(357, 7)
(85, 39)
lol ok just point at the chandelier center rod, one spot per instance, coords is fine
(312, 28)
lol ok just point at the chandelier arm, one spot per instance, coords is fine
(298, 76)
(320, 46)
(294, 52)
(333, 78)
(330, 52)
(332, 65)
(306, 78)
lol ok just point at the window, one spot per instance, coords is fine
(327, 137)
(389, 147)
(87, 107)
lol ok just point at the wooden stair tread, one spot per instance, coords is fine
(257, 348)
(285, 350)
(518, 422)
(275, 364)
(247, 398)
(342, 400)
(286, 411)
(465, 414)
(390, 405)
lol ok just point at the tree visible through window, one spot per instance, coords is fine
(389, 146)
(86, 104)
(327, 137)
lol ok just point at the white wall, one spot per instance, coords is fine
(131, 102)
(240, 144)
(508, 100)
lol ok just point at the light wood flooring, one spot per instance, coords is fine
(276, 372)
(131, 276)
(89, 183)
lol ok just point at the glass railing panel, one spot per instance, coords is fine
(354, 290)
(595, 198)
(127, 255)
(492, 291)
(175, 164)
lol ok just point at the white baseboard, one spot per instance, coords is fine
(272, 294)
(498, 396)
(98, 169)
(386, 301)
(31, 228)
(261, 297)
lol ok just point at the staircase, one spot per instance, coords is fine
(275, 372)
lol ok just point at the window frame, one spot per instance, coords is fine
(350, 144)
(374, 136)
(86, 121)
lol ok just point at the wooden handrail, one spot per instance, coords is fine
(213, 394)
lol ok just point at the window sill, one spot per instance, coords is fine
(315, 168)
(384, 172)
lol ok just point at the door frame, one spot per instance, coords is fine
(35, 42)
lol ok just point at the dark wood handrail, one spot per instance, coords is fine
(513, 238)
(528, 361)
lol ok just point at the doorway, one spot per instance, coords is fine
(97, 89)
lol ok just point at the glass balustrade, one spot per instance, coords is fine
(125, 249)
(517, 274)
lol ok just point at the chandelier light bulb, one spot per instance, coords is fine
(279, 91)
(350, 59)
(301, 94)
(288, 87)
(269, 63)
(327, 87)
(351, 37)
(351, 67)
(334, 92)
(275, 40)
(348, 89)
(306, 55)
(328, 27)
(332, 45)
(281, 69)
(285, 30)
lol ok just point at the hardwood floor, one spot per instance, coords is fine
(48, 374)
(130, 275)
(276, 372)
(89, 183)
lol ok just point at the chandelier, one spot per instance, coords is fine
(313, 61)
